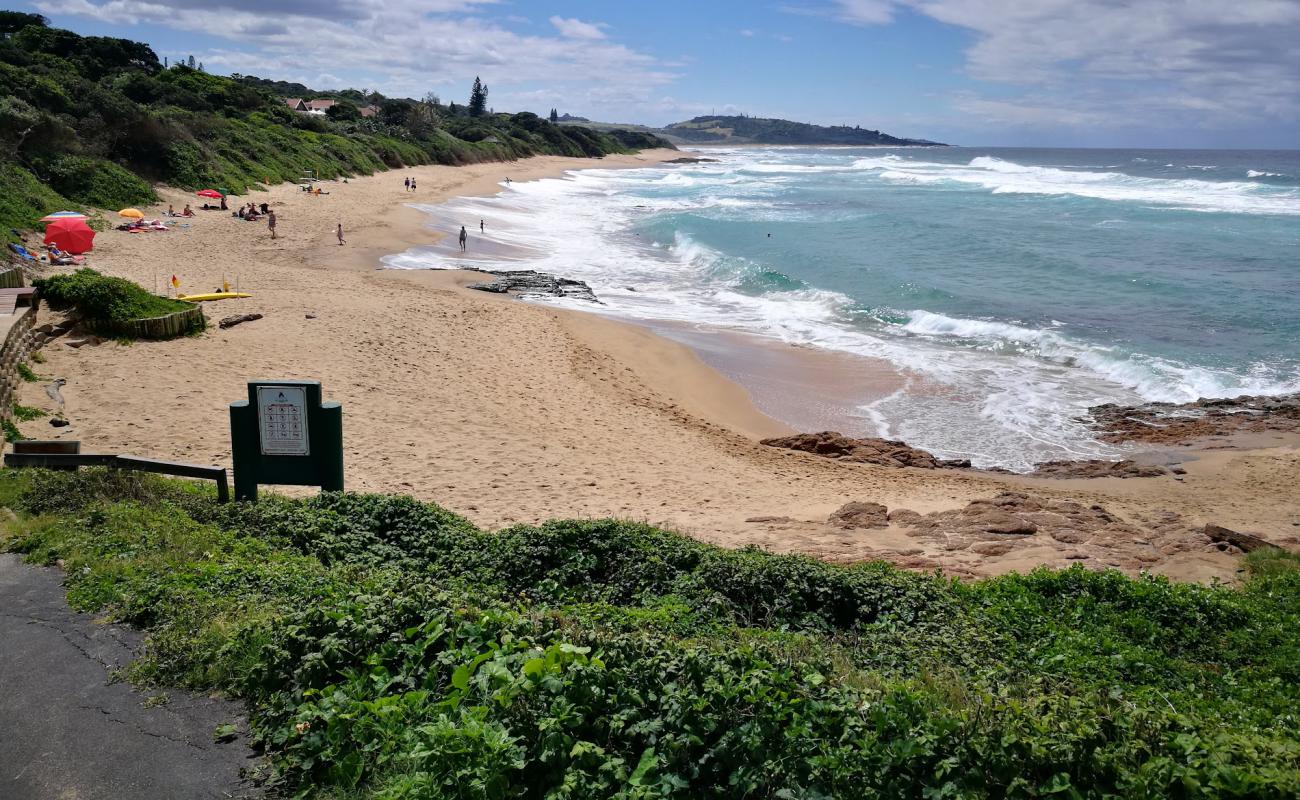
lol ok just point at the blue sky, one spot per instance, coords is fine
(1154, 73)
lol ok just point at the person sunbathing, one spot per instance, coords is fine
(171, 211)
(188, 212)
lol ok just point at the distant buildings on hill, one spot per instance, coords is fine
(320, 106)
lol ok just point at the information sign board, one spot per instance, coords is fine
(282, 420)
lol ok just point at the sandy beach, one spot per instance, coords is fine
(510, 412)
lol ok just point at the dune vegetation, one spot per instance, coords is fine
(388, 648)
(96, 121)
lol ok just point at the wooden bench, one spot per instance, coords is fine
(68, 455)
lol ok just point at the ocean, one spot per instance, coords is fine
(1011, 288)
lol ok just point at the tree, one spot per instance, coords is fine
(343, 110)
(13, 21)
(190, 62)
(555, 115)
(478, 99)
(201, 67)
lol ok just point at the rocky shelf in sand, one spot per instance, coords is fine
(891, 453)
(1170, 423)
(529, 282)
(1100, 468)
(884, 452)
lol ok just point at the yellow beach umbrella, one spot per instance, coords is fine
(133, 213)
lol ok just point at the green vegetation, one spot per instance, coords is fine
(389, 649)
(11, 432)
(94, 121)
(25, 372)
(104, 299)
(27, 413)
(759, 130)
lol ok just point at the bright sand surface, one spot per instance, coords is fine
(509, 412)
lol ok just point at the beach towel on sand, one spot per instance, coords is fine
(22, 252)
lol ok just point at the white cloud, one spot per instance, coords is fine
(399, 47)
(577, 29)
(747, 33)
(1186, 58)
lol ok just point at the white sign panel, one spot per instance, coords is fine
(282, 420)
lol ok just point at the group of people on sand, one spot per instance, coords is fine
(188, 212)
(409, 183)
(252, 212)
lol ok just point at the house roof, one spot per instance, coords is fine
(320, 104)
(369, 111)
(294, 102)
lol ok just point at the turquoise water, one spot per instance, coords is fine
(1014, 288)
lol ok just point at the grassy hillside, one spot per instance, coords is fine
(760, 130)
(389, 649)
(94, 121)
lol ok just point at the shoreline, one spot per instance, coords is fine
(519, 412)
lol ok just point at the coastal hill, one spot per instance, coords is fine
(761, 130)
(97, 121)
(731, 130)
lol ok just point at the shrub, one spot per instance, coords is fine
(387, 648)
(103, 298)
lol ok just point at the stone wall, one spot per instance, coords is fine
(18, 345)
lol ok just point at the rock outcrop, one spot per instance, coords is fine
(1245, 542)
(854, 515)
(529, 282)
(1168, 423)
(884, 452)
(1098, 468)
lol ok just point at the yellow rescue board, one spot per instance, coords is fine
(199, 298)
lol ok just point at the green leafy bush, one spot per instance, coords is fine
(104, 298)
(388, 649)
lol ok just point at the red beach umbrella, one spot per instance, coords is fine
(212, 193)
(71, 235)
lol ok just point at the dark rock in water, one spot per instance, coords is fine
(1167, 423)
(1243, 541)
(690, 160)
(230, 322)
(59, 422)
(530, 282)
(1096, 468)
(860, 515)
(864, 451)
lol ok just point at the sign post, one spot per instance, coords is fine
(284, 434)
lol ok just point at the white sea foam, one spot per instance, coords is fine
(1257, 173)
(1008, 177)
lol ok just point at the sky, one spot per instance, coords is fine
(1052, 73)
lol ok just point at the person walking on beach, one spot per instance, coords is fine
(413, 184)
(339, 231)
(463, 238)
(270, 222)
(406, 184)
(481, 229)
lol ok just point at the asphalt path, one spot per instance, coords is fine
(70, 729)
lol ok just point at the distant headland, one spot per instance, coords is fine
(744, 129)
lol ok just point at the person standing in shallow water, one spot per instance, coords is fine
(481, 228)
(463, 238)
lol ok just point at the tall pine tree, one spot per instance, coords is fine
(478, 99)
(555, 115)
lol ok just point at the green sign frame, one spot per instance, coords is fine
(284, 434)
